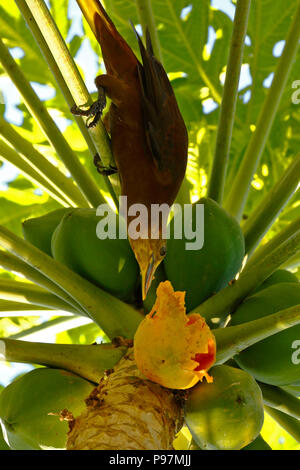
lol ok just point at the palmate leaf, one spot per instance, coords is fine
(85, 334)
(266, 29)
(12, 325)
(20, 202)
(15, 32)
(268, 25)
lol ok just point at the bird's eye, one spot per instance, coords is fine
(163, 251)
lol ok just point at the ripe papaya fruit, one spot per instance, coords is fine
(39, 230)
(258, 444)
(109, 263)
(204, 271)
(27, 404)
(281, 275)
(226, 414)
(171, 348)
(274, 360)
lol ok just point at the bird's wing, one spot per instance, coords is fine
(158, 100)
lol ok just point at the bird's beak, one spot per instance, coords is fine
(147, 276)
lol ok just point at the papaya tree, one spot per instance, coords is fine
(213, 350)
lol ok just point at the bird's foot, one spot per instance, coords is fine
(94, 111)
(104, 170)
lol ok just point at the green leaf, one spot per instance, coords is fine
(17, 205)
(13, 325)
(277, 437)
(268, 24)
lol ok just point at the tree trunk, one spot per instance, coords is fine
(127, 412)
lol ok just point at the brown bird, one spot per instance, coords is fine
(148, 135)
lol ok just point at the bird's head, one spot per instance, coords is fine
(149, 254)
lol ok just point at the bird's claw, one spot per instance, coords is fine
(107, 170)
(94, 111)
(104, 170)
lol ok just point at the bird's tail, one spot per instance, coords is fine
(118, 57)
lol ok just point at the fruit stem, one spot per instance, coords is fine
(88, 361)
(237, 197)
(17, 291)
(67, 76)
(55, 137)
(281, 400)
(234, 339)
(290, 424)
(219, 306)
(263, 250)
(14, 264)
(146, 17)
(270, 207)
(115, 318)
(229, 99)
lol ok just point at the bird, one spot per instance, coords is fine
(149, 138)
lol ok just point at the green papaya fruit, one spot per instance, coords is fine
(39, 230)
(274, 360)
(258, 444)
(205, 271)
(281, 275)
(226, 414)
(27, 404)
(109, 263)
(160, 276)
